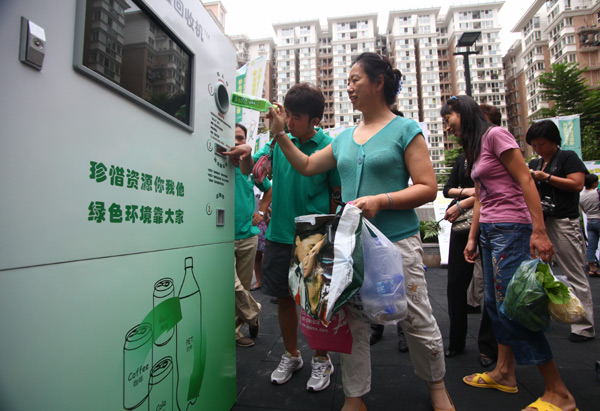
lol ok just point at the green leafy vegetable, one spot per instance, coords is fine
(556, 291)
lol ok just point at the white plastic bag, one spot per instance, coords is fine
(569, 313)
(383, 292)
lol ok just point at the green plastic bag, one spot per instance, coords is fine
(526, 300)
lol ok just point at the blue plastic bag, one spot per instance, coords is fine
(383, 292)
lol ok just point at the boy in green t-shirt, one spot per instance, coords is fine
(293, 195)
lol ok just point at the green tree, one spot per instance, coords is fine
(590, 126)
(449, 159)
(566, 87)
(451, 155)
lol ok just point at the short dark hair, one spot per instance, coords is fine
(244, 129)
(590, 180)
(374, 66)
(492, 113)
(545, 129)
(304, 98)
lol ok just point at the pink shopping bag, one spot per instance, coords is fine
(335, 337)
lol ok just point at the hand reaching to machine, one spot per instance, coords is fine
(237, 153)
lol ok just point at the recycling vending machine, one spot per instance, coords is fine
(116, 206)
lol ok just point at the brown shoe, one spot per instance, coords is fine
(244, 342)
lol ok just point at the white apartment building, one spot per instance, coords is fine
(561, 31)
(420, 42)
(574, 34)
(413, 46)
(516, 97)
(552, 31)
(350, 36)
(534, 56)
(297, 54)
(486, 74)
(307, 52)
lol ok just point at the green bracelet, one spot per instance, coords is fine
(459, 208)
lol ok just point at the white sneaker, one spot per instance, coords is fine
(286, 368)
(322, 368)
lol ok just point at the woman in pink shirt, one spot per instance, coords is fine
(508, 220)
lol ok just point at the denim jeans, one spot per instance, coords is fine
(503, 247)
(593, 232)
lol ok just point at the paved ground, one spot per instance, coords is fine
(394, 384)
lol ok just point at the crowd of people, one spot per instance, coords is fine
(382, 166)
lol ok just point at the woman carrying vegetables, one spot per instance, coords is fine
(509, 222)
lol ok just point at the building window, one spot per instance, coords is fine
(115, 60)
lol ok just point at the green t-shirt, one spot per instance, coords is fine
(293, 194)
(244, 204)
(378, 167)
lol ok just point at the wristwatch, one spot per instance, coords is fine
(261, 213)
(548, 179)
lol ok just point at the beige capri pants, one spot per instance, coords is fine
(420, 328)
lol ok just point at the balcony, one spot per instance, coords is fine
(589, 38)
(593, 29)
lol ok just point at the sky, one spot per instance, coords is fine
(255, 18)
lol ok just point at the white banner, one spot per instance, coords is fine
(253, 85)
(439, 208)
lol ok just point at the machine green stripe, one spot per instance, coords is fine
(198, 370)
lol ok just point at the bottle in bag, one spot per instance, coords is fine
(386, 298)
(381, 287)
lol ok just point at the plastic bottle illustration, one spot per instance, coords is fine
(250, 102)
(189, 334)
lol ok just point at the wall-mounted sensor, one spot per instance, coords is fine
(222, 98)
(33, 44)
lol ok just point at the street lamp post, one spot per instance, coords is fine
(467, 39)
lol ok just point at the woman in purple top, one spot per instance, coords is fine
(508, 219)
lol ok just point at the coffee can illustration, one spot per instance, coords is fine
(160, 387)
(137, 363)
(189, 335)
(163, 289)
